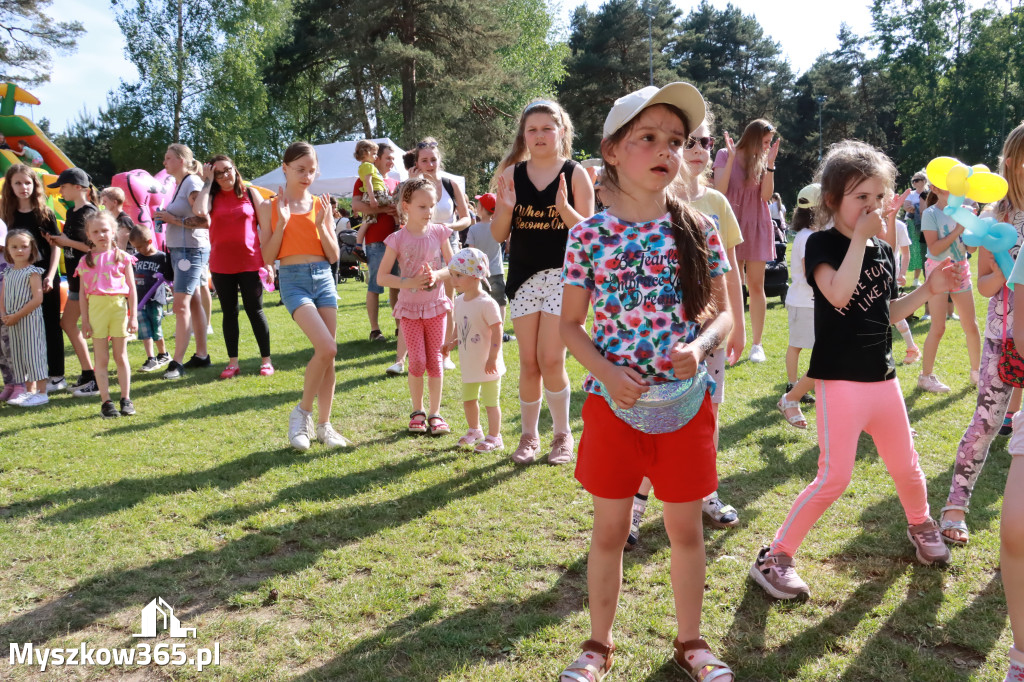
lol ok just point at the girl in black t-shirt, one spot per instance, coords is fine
(541, 193)
(853, 275)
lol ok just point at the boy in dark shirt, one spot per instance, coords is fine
(150, 264)
(112, 199)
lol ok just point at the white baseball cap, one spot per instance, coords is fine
(683, 96)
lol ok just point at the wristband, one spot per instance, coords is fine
(770, 170)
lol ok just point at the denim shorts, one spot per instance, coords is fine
(374, 254)
(195, 260)
(311, 283)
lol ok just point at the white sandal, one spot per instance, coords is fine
(797, 420)
(945, 524)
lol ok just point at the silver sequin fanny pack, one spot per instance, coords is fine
(667, 406)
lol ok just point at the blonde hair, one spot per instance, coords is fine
(752, 145)
(183, 152)
(846, 165)
(364, 147)
(1013, 153)
(102, 217)
(519, 151)
(410, 187)
(115, 193)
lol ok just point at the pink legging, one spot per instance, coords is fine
(424, 338)
(845, 409)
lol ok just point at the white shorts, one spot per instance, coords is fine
(715, 361)
(542, 292)
(801, 326)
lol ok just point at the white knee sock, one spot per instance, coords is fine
(904, 329)
(530, 416)
(558, 405)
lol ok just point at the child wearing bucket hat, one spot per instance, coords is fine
(478, 325)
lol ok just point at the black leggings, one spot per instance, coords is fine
(51, 327)
(251, 286)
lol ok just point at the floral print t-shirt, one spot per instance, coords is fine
(630, 270)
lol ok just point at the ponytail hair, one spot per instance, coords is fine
(183, 152)
(693, 270)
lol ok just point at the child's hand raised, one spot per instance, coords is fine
(685, 359)
(730, 146)
(773, 151)
(942, 278)
(506, 195)
(325, 209)
(562, 198)
(624, 385)
(284, 211)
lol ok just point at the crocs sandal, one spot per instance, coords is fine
(418, 422)
(796, 420)
(696, 660)
(437, 425)
(945, 525)
(589, 667)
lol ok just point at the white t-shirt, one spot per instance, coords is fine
(800, 294)
(472, 318)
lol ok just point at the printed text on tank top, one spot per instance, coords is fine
(527, 217)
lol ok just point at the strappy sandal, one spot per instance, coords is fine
(796, 420)
(437, 425)
(586, 668)
(418, 422)
(912, 356)
(696, 660)
(945, 524)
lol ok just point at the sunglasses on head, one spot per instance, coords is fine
(426, 145)
(706, 142)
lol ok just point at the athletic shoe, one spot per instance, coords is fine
(928, 543)
(776, 574)
(1005, 430)
(87, 390)
(718, 514)
(300, 428)
(149, 365)
(931, 383)
(108, 411)
(639, 507)
(561, 448)
(195, 362)
(17, 394)
(34, 400)
(506, 337)
(448, 363)
(127, 407)
(209, 330)
(175, 370)
(326, 434)
(395, 370)
(163, 359)
(529, 446)
(926, 318)
(56, 384)
(82, 381)
(757, 353)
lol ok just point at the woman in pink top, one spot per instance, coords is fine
(235, 256)
(745, 173)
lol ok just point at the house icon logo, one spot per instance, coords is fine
(159, 610)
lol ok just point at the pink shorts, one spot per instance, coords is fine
(961, 274)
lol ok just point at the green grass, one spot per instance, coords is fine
(407, 559)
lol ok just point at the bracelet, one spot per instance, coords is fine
(770, 170)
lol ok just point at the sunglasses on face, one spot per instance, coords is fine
(222, 173)
(706, 142)
(426, 145)
(917, 180)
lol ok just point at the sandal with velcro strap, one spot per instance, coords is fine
(589, 667)
(695, 659)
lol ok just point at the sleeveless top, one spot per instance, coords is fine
(538, 234)
(444, 209)
(234, 234)
(300, 236)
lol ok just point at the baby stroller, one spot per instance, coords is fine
(348, 264)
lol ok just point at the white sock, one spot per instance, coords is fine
(904, 329)
(558, 405)
(530, 416)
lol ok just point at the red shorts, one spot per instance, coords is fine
(613, 457)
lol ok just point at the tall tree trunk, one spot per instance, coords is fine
(179, 85)
(407, 34)
(357, 83)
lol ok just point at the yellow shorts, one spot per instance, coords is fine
(487, 391)
(108, 316)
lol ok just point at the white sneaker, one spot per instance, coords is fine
(757, 353)
(33, 400)
(209, 330)
(326, 434)
(56, 384)
(18, 399)
(448, 364)
(300, 428)
(931, 383)
(395, 369)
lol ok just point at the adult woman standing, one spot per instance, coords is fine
(451, 209)
(189, 244)
(235, 256)
(745, 173)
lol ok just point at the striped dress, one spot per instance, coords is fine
(27, 336)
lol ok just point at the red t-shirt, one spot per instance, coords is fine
(385, 224)
(234, 235)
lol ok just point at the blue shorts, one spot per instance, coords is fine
(194, 260)
(374, 255)
(150, 318)
(311, 283)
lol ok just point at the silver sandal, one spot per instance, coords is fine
(945, 524)
(797, 420)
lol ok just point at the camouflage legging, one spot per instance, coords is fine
(993, 397)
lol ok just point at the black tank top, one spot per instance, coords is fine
(538, 234)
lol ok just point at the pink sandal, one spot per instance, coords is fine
(438, 426)
(230, 371)
(266, 369)
(418, 422)
(695, 659)
(589, 667)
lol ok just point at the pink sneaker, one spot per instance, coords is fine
(927, 540)
(15, 397)
(776, 573)
(266, 369)
(931, 383)
(529, 446)
(490, 444)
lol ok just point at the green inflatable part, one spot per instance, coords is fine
(15, 126)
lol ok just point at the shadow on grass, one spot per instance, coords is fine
(204, 580)
(428, 644)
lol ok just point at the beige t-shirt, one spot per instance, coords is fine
(472, 319)
(714, 205)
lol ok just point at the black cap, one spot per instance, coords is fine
(74, 176)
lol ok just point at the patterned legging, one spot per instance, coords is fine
(993, 397)
(424, 338)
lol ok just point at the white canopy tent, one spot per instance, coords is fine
(338, 170)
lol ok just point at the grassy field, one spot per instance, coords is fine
(405, 558)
